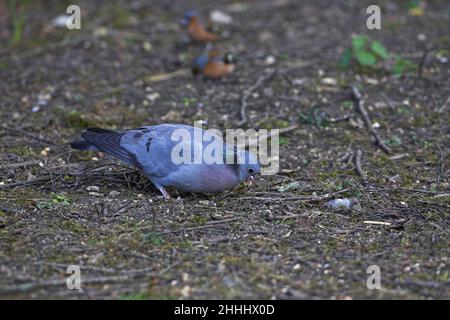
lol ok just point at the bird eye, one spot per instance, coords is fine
(251, 170)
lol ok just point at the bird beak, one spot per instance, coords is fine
(249, 180)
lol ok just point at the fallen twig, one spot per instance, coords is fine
(25, 183)
(249, 91)
(272, 134)
(377, 222)
(20, 164)
(358, 168)
(425, 53)
(9, 210)
(441, 163)
(359, 106)
(26, 287)
(27, 134)
(444, 106)
(373, 188)
(319, 198)
(166, 76)
(211, 224)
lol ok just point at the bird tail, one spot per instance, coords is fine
(83, 145)
(107, 141)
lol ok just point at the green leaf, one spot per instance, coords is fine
(346, 57)
(359, 42)
(379, 49)
(366, 58)
(402, 65)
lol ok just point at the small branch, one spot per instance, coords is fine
(444, 106)
(272, 134)
(319, 198)
(25, 183)
(27, 134)
(20, 164)
(423, 59)
(359, 106)
(249, 91)
(9, 210)
(27, 287)
(211, 224)
(358, 168)
(374, 188)
(167, 76)
(441, 163)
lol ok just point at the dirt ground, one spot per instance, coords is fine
(275, 239)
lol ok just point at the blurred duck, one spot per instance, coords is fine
(196, 30)
(213, 65)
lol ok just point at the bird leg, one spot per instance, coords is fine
(164, 192)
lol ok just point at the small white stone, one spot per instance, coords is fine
(329, 81)
(220, 17)
(421, 37)
(186, 291)
(96, 194)
(114, 193)
(93, 188)
(152, 96)
(270, 60)
(147, 46)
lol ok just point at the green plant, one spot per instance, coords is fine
(56, 200)
(187, 101)
(402, 65)
(314, 116)
(368, 53)
(154, 238)
(283, 141)
(365, 51)
(17, 9)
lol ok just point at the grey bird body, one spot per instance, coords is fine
(150, 149)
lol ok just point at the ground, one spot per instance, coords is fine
(274, 239)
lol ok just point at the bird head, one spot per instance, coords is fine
(249, 169)
(188, 17)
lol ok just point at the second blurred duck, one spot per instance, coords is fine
(196, 30)
(213, 65)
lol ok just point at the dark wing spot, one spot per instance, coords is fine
(137, 135)
(148, 144)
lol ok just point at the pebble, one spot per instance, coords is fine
(270, 60)
(114, 193)
(152, 96)
(93, 188)
(220, 17)
(96, 194)
(147, 46)
(329, 81)
(344, 203)
(339, 204)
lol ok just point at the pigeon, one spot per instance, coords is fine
(196, 30)
(213, 65)
(151, 149)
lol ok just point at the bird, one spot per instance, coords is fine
(150, 148)
(196, 30)
(212, 64)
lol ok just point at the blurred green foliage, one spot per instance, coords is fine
(18, 12)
